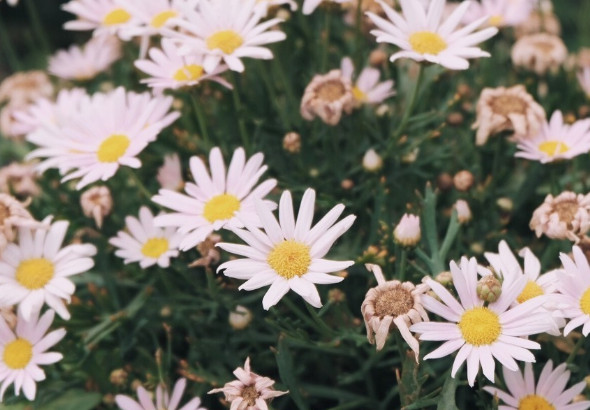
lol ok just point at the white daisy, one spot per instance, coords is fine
(574, 286)
(547, 394)
(556, 140)
(86, 62)
(37, 269)
(218, 200)
(169, 69)
(146, 244)
(102, 16)
(505, 263)
(227, 30)
(423, 37)
(310, 5)
(481, 333)
(109, 132)
(500, 13)
(367, 88)
(24, 350)
(289, 254)
(163, 399)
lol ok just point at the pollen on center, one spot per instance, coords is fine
(18, 354)
(534, 402)
(221, 207)
(155, 247)
(113, 148)
(480, 326)
(290, 259)
(226, 40)
(34, 273)
(427, 42)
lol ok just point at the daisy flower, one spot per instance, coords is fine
(499, 13)
(24, 350)
(290, 253)
(327, 96)
(218, 200)
(250, 391)
(145, 243)
(367, 88)
(575, 289)
(566, 216)
(481, 333)
(540, 52)
(584, 80)
(227, 30)
(423, 37)
(169, 69)
(548, 393)
(111, 130)
(102, 16)
(505, 263)
(86, 62)
(163, 399)
(37, 269)
(556, 140)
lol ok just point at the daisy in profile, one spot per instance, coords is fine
(423, 37)
(575, 289)
(367, 89)
(546, 394)
(111, 130)
(145, 243)
(227, 30)
(24, 350)
(86, 62)
(102, 16)
(289, 255)
(37, 270)
(556, 140)
(481, 333)
(167, 68)
(217, 200)
(309, 6)
(163, 399)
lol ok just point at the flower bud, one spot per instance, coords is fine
(463, 180)
(292, 142)
(97, 203)
(407, 232)
(444, 278)
(377, 57)
(240, 318)
(489, 288)
(463, 211)
(118, 377)
(372, 161)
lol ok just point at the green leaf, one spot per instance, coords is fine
(285, 365)
(75, 400)
(447, 396)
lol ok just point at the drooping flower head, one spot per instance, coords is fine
(289, 254)
(218, 199)
(480, 333)
(97, 202)
(327, 96)
(163, 399)
(422, 36)
(24, 350)
(13, 215)
(539, 52)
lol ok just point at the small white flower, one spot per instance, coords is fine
(163, 399)
(145, 243)
(423, 37)
(102, 16)
(372, 161)
(367, 89)
(24, 350)
(289, 254)
(574, 286)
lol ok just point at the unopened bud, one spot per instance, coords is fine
(407, 232)
(463, 211)
(372, 161)
(444, 181)
(444, 278)
(489, 288)
(463, 180)
(377, 57)
(118, 377)
(240, 318)
(505, 204)
(292, 142)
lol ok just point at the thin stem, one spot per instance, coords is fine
(325, 51)
(238, 108)
(6, 44)
(575, 350)
(403, 265)
(410, 103)
(37, 26)
(201, 118)
(140, 185)
(322, 327)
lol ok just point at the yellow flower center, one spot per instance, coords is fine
(480, 326)
(531, 290)
(155, 247)
(585, 302)
(189, 72)
(496, 20)
(553, 148)
(221, 207)
(116, 16)
(226, 40)
(18, 354)
(427, 42)
(359, 94)
(113, 148)
(161, 18)
(534, 402)
(290, 259)
(34, 273)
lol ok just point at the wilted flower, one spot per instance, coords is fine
(9, 125)
(390, 305)
(25, 87)
(7, 313)
(539, 52)
(170, 174)
(19, 178)
(499, 13)
(327, 96)
(250, 391)
(13, 215)
(566, 216)
(513, 109)
(97, 203)
(463, 211)
(539, 21)
(208, 250)
(240, 317)
(372, 161)
(163, 399)
(407, 232)
(292, 142)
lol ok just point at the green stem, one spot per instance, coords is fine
(6, 44)
(358, 31)
(577, 347)
(201, 118)
(403, 265)
(325, 51)
(38, 29)
(322, 327)
(238, 108)
(135, 178)
(410, 103)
